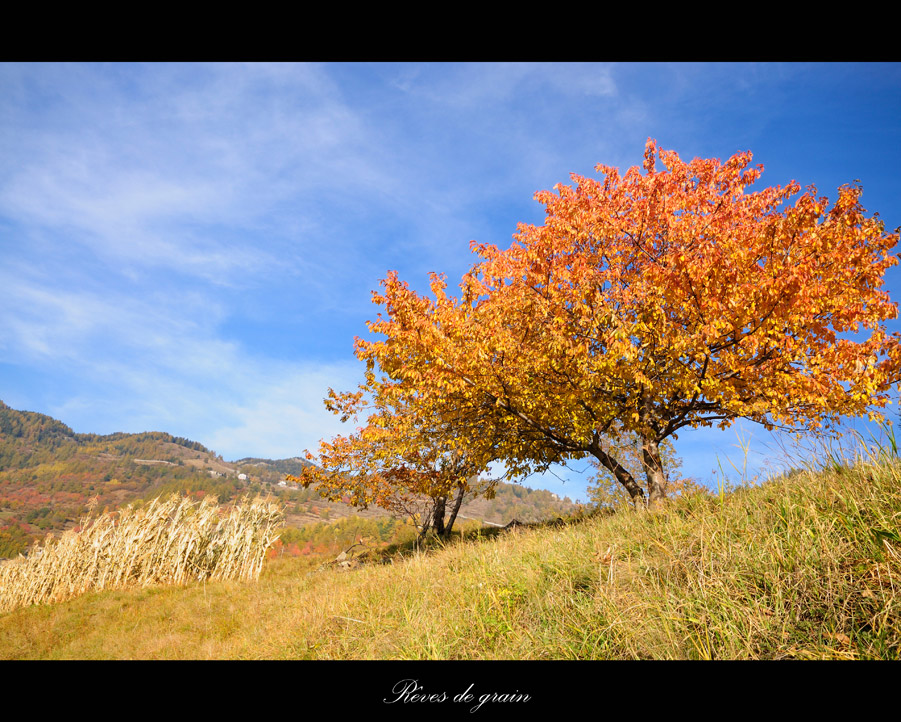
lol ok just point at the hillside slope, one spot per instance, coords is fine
(806, 567)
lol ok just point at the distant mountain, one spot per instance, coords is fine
(294, 465)
(27, 436)
(49, 475)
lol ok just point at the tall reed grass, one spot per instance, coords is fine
(170, 541)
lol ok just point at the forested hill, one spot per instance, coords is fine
(21, 430)
(294, 465)
(28, 438)
(49, 474)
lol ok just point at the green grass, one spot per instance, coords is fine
(804, 567)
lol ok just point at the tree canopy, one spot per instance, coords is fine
(645, 303)
(400, 461)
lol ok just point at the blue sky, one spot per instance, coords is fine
(191, 248)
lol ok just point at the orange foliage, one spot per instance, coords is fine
(646, 302)
(399, 461)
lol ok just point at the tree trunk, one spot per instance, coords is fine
(653, 468)
(458, 500)
(438, 515)
(618, 471)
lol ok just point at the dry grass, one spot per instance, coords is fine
(806, 567)
(167, 542)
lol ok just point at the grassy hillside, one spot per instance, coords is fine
(807, 567)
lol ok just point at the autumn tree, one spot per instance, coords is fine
(400, 461)
(605, 491)
(647, 302)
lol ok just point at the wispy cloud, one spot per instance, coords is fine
(192, 247)
(160, 364)
(179, 177)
